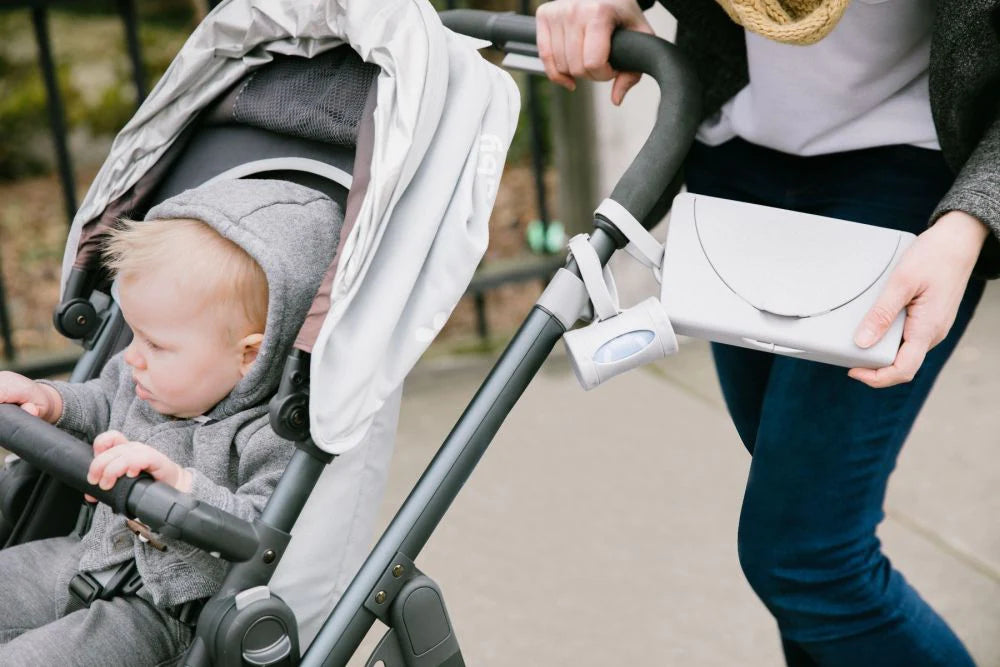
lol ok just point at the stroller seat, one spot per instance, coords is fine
(220, 144)
(414, 152)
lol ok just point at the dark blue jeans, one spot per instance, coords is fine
(823, 445)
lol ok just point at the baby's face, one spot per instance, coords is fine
(185, 357)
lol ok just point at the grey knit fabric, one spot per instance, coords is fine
(35, 630)
(235, 457)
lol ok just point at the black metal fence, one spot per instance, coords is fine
(39, 10)
(487, 279)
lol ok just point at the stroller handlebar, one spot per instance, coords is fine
(158, 505)
(644, 188)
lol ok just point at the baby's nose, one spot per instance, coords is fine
(133, 358)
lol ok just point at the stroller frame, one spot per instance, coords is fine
(243, 624)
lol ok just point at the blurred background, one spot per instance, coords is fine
(600, 528)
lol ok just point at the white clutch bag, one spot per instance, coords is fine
(776, 280)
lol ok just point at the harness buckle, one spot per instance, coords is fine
(84, 588)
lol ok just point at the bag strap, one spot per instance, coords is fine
(642, 246)
(594, 278)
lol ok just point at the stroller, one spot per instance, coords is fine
(413, 232)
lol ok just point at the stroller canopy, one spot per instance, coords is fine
(416, 222)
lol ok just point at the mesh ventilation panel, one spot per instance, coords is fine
(319, 98)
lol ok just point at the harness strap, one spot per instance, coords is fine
(123, 581)
(594, 278)
(86, 587)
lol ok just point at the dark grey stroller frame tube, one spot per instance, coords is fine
(641, 191)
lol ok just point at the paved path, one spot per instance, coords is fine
(599, 528)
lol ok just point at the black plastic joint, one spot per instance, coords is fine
(310, 448)
(603, 223)
(76, 317)
(289, 408)
(289, 416)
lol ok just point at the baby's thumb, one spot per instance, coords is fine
(31, 409)
(107, 440)
(623, 83)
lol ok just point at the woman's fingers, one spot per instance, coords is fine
(573, 51)
(908, 360)
(549, 43)
(557, 33)
(574, 40)
(623, 83)
(596, 47)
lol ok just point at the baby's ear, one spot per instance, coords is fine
(250, 346)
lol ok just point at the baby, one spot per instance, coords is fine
(214, 285)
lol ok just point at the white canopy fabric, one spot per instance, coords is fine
(443, 122)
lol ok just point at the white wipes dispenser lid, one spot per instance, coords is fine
(780, 263)
(777, 280)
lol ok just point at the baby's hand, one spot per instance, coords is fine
(115, 455)
(36, 399)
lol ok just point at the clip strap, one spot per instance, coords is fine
(642, 245)
(605, 305)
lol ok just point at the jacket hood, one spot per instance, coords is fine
(292, 232)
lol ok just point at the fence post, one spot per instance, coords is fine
(574, 137)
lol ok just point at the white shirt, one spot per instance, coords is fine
(863, 85)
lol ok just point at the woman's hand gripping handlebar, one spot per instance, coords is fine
(574, 41)
(678, 114)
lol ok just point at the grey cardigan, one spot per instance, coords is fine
(235, 463)
(964, 92)
(234, 456)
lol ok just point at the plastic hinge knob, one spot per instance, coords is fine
(289, 416)
(75, 319)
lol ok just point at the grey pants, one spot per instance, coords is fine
(35, 631)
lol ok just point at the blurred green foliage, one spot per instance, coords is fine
(22, 111)
(96, 80)
(93, 71)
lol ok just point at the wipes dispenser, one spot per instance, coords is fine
(617, 340)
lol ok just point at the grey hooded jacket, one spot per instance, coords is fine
(964, 91)
(234, 456)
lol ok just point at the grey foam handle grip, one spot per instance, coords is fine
(678, 114)
(177, 514)
(57, 453)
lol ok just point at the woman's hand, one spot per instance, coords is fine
(574, 40)
(929, 282)
(39, 400)
(115, 455)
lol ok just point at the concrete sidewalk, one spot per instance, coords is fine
(599, 528)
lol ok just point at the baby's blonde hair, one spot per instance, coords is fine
(224, 272)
